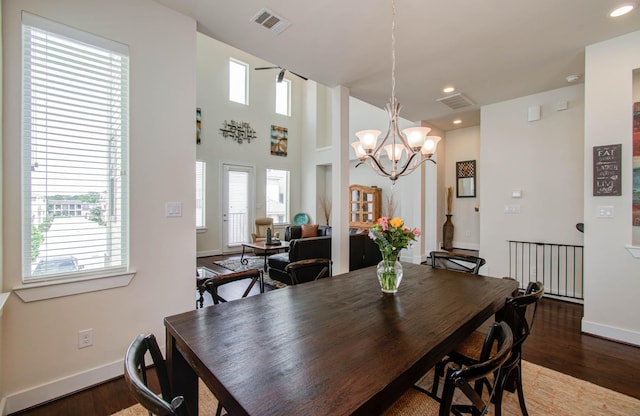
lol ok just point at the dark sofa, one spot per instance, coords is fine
(363, 251)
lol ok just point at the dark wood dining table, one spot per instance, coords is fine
(335, 346)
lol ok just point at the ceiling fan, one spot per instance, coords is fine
(282, 71)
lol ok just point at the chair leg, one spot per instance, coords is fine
(219, 409)
(438, 372)
(523, 407)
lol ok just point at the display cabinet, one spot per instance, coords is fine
(365, 205)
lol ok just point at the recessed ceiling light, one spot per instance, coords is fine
(449, 89)
(458, 121)
(623, 9)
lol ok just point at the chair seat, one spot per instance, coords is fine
(413, 402)
(472, 346)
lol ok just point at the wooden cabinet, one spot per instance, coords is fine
(364, 205)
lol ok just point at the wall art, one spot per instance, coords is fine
(198, 125)
(606, 170)
(238, 131)
(636, 165)
(279, 141)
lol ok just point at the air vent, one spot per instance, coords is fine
(456, 101)
(271, 21)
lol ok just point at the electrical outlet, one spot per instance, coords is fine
(85, 338)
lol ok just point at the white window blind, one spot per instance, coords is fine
(201, 169)
(75, 152)
(277, 193)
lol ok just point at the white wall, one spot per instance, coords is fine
(213, 99)
(463, 144)
(543, 159)
(611, 273)
(39, 343)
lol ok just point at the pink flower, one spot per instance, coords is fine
(384, 223)
(417, 232)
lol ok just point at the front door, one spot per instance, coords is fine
(237, 206)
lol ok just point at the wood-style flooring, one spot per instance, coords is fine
(555, 342)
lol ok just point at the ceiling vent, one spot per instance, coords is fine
(271, 21)
(456, 101)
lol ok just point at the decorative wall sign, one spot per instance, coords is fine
(636, 165)
(198, 125)
(279, 141)
(606, 170)
(238, 131)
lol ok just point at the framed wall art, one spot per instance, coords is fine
(279, 141)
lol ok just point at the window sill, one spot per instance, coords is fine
(201, 230)
(32, 292)
(634, 251)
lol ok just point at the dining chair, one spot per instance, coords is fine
(213, 284)
(307, 270)
(519, 313)
(416, 400)
(460, 262)
(135, 375)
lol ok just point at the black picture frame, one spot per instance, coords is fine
(466, 179)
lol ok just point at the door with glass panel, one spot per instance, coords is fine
(237, 206)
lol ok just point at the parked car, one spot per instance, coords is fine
(57, 264)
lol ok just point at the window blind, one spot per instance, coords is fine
(75, 152)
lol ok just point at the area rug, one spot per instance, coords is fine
(253, 262)
(547, 393)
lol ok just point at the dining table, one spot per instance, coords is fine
(335, 346)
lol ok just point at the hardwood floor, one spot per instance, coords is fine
(555, 342)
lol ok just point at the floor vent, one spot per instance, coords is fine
(271, 21)
(456, 101)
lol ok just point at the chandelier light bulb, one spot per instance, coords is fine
(391, 149)
(430, 144)
(357, 147)
(368, 139)
(416, 136)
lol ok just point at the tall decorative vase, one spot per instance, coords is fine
(447, 233)
(389, 272)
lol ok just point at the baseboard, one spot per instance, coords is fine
(610, 332)
(208, 253)
(43, 393)
(3, 405)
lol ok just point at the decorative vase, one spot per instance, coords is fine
(389, 272)
(447, 233)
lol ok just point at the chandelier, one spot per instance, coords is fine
(407, 150)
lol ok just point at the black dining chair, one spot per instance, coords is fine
(135, 375)
(307, 270)
(460, 262)
(519, 313)
(418, 401)
(213, 284)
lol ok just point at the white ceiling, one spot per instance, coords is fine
(491, 50)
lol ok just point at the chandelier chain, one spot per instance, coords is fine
(393, 53)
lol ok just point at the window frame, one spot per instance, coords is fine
(233, 61)
(286, 82)
(287, 197)
(48, 285)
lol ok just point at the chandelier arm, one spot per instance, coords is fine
(377, 166)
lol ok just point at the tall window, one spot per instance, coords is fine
(278, 195)
(283, 97)
(75, 152)
(201, 172)
(238, 81)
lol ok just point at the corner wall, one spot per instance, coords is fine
(544, 160)
(40, 357)
(612, 280)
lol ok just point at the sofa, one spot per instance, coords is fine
(363, 251)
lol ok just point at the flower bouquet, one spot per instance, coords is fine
(391, 236)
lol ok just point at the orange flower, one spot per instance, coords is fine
(396, 222)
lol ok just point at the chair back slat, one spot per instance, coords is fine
(456, 261)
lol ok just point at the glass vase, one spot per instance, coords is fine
(389, 272)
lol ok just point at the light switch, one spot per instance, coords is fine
(173, 209)
(512, 209)
(516, 193)
(604, 211)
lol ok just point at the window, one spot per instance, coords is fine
(283, 97)
(238, 81)
(201, 172)
(75, 158)
(278, 195)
